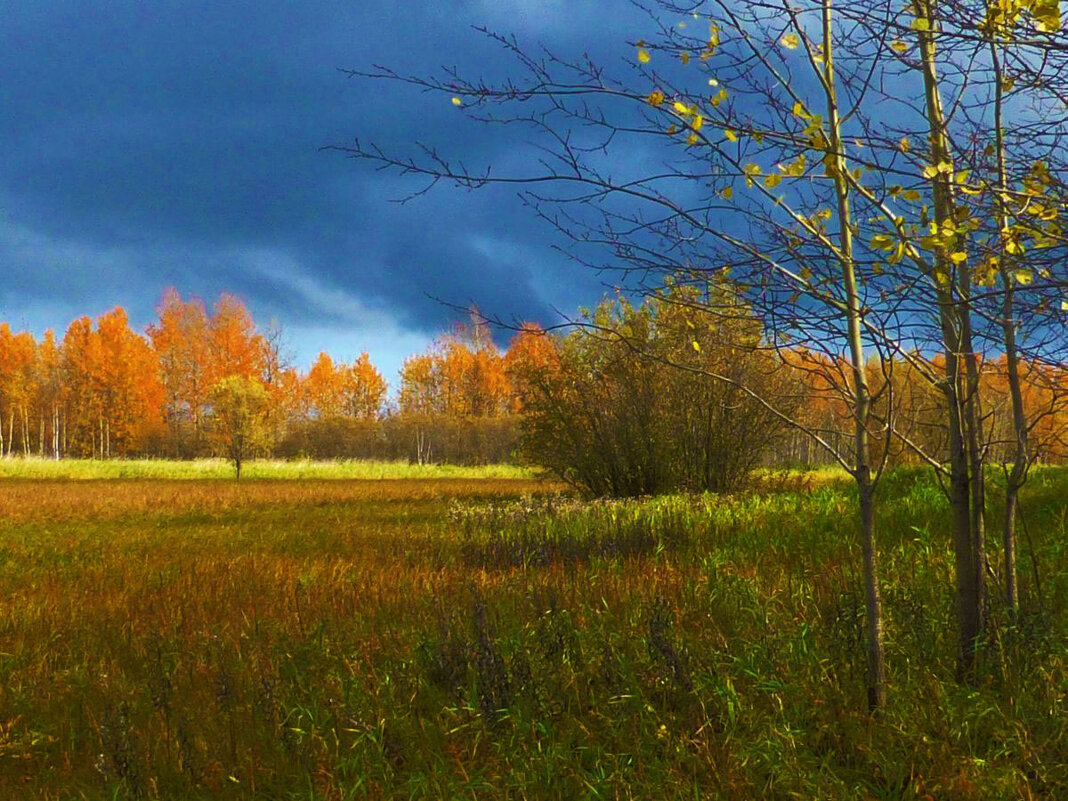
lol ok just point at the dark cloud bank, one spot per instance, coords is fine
(180, 143)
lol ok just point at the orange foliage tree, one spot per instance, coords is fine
(180, 339)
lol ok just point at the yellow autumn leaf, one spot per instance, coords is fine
(806, 273)
(772, 180)
(727, 193)
(921, 24)
(899, 47)
(1064, 305)
(696, 346)
(790, 41)
(904, 145)
(730, 135)
(684, 58)
(698, 123)
(655, 99)
(693, 139)
(1047, 14)
(643, 56)
(457, 101)
(1022, 276)
(930, 171)
(911, 194)
(958, 256)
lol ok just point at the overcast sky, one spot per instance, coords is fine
(148, 145)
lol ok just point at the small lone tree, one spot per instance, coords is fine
(239, 412)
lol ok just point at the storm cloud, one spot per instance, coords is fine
(180, 143)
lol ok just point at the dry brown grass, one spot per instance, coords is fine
(357, 639)
(28, 500)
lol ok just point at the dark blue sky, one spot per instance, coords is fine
(178, 143)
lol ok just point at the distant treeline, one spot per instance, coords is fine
(642, 399)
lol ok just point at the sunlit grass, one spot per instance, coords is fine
(80, 469)
(468, 638)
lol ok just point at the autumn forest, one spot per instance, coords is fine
(104, 390)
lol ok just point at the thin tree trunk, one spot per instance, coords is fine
(968, 578)
(1021, 458)
(876, 672)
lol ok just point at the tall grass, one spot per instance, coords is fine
(496, 639)
(84, 469)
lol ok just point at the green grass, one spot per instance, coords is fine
(496, 639)
(88, 469)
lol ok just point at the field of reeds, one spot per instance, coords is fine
(498, 638)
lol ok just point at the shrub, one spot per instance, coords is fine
(649, 398)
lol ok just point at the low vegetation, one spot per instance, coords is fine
(43, 468)
(500, 639)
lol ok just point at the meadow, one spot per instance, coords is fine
(94, 469)
(480, 637)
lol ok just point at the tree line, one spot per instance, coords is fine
(105, 390)
(639, 396)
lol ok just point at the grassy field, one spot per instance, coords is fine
(86, 469)
(492, 638)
